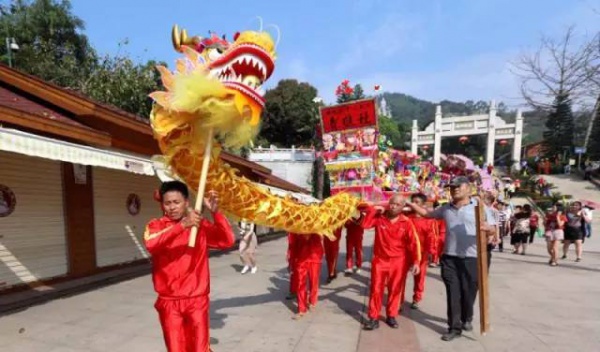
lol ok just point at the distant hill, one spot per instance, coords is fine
(405, 108)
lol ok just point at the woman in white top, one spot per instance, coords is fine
(248, 245)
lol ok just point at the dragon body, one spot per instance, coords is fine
(218, 84)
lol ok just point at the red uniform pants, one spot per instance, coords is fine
(332, 250)
(184, 323)
(293, 278)
(419, 286)
(439, 250)
(354, 247)
(304, 271)
(391, 273)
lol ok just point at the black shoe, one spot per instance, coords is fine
(467, 326)
(371, 324)
(290, 296)
(451, 335)
(392, 322)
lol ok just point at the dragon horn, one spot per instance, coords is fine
(180, 38)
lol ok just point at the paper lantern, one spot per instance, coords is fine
(463, 139)
(503, 142)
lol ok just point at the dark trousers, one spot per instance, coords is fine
(460, 279)
(532, 232)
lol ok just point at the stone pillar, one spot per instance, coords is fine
(491, 138)
(516, 154)
(437, 137)
(414, 137)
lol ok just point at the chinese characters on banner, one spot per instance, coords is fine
(349, 116)
(350, 135)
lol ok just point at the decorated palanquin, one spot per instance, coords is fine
(217, 85)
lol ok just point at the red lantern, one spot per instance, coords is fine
(463, 139)
(425, 147)
(503, 142)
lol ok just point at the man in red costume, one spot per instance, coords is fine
(332, 251)
(354, 246)
(180, 273)
(307, 253)
(395, 241)
(427, 231)
(291, 269)
(440, 242)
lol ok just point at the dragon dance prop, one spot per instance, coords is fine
(214, 99)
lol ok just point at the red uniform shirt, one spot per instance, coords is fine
(305, 248)
(427, 231)
(353, 228)
(180, 271)
(441, 228)
(393, 239)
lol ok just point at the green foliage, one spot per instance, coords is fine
(51, 44)
(123, 83)
(290, 116)
(395, 132)
(559, 134)
(54, 48)
(359, 92)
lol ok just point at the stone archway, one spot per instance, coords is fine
(492, 125)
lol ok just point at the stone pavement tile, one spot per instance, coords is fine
(324, 337)
(140, 344)
(27, 345)
(98, 341)
(271, 333)
(79, 337)
(15, 325)
(384, 339)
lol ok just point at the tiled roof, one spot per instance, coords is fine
(19, 102)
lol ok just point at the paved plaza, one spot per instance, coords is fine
(534, 307)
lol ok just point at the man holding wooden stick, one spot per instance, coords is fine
(460, 261)
(180, 273)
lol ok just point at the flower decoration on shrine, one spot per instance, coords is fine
(344, 89)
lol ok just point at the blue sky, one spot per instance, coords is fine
(432, 49)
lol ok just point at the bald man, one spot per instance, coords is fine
(396, 247)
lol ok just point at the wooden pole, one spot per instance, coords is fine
(202, 183)
(482, 269)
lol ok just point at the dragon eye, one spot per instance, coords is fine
(214, 54)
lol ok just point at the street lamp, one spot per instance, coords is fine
(11, 46)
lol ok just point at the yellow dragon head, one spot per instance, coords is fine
(216, 84)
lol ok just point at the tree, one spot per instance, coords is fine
(391, 130)
(123, 83)
(359, 93)
(290, 116)
(54, 48)
(560, 67)
(559, 133)
(593, 147)
(51, 44)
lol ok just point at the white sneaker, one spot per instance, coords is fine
(254, 270)
(357, 271)
(245, 269)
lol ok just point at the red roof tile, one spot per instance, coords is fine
(19, 102)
